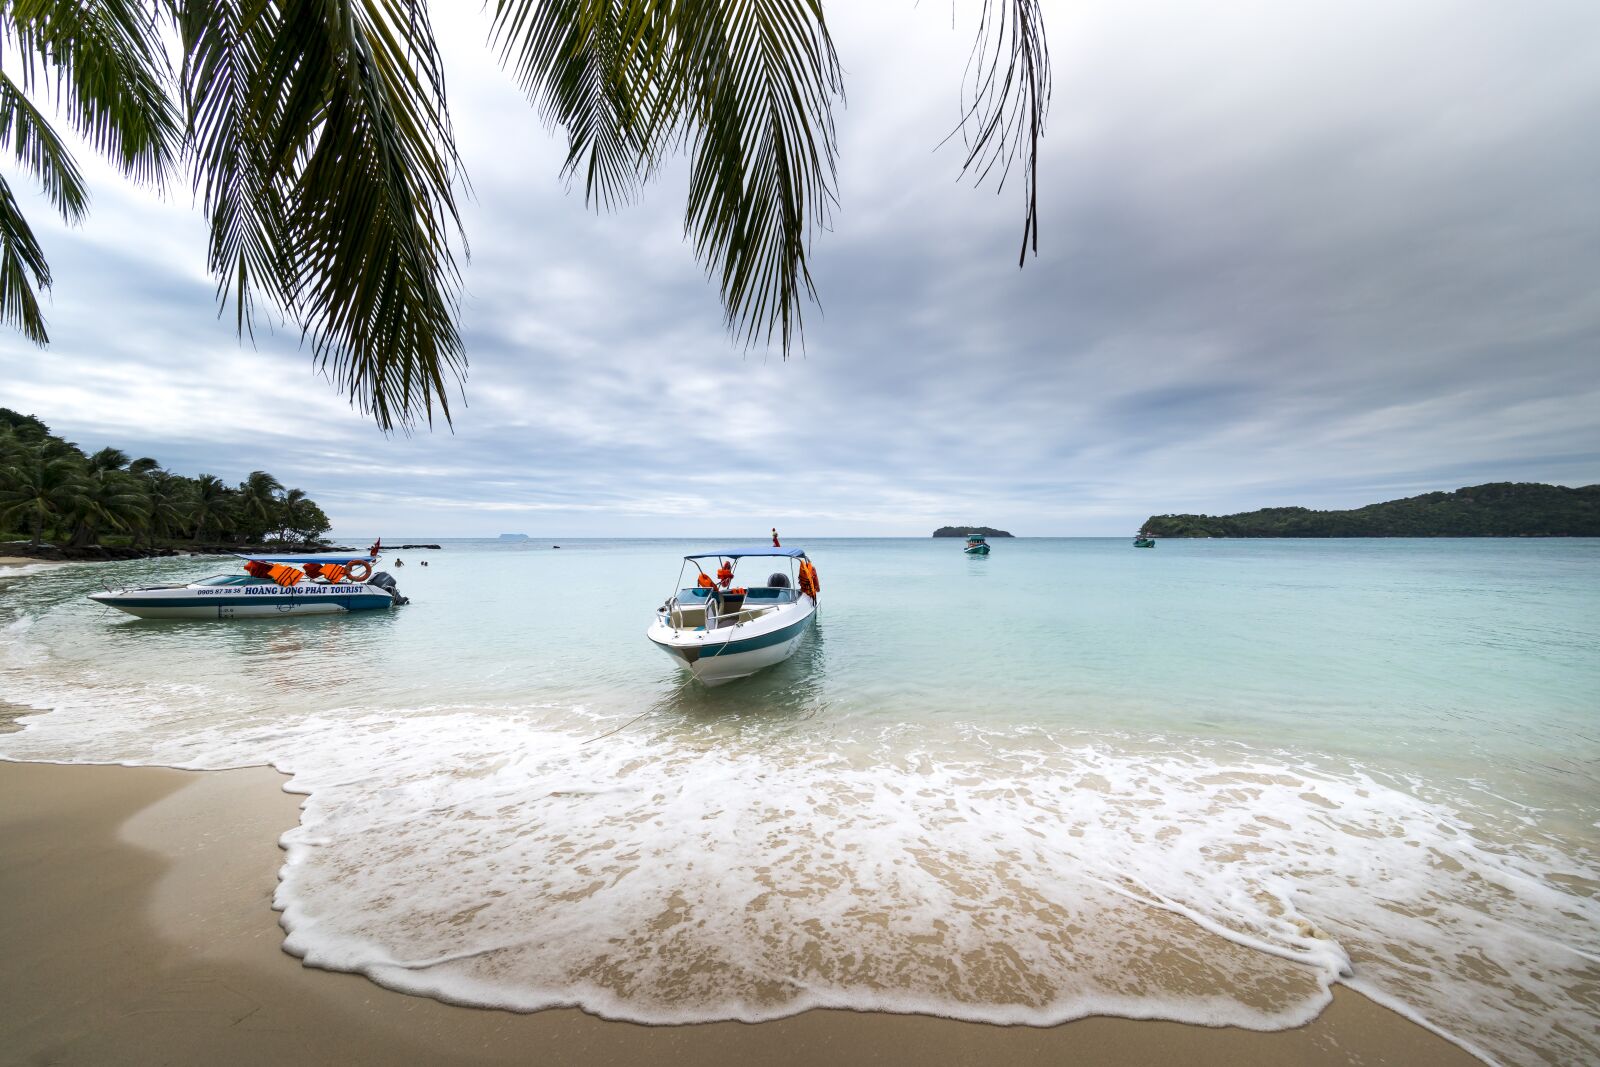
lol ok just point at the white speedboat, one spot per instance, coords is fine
(719, 630)
(268, 589)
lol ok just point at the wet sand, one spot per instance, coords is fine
(136, 927)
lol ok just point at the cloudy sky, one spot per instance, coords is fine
(1324, 252)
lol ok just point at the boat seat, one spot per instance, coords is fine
(759, 592)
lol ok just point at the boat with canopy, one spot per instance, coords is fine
(718, 629)
(323, 583)
(976, 545)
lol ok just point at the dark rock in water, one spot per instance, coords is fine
(968, 531)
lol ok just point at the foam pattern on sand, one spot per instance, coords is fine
(473, 830)
(496, 857)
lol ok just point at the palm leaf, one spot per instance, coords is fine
(20, 258)
(223, 42)
(587, 65)
(1008, 100)
(107, 69)
(325, 151)
(747, 86)
(761, 76)
(41, 152)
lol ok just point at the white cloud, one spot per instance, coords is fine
(1312, 253)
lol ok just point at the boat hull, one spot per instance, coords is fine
(977, 550)
(270, 602)
(719, 656)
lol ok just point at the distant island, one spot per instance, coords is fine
(1497, 509)
(968, 531)
(513, 537)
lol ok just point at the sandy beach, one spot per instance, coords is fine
(7, 562)
(138, 929)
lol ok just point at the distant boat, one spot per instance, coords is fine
(256, 595)
(721, 632)
(1143, 540)
(976, 545)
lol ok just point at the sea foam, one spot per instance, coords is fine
(496, 856)
(516, 853)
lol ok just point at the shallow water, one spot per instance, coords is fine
(1198, 782)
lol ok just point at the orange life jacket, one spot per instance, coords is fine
(281, 573)
(705, 581)
(330, 571)
(725, 575)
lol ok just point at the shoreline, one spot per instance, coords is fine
(8, 562)
(139, 928)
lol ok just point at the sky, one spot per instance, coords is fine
(1322, 254)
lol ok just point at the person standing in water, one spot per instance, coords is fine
(775, 538)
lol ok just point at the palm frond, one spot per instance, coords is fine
(223, 42)
(761, 77)
(590, 68)
(41, 152)
(746, 85)
(1008, 101)
(328, 162)
(107, 69)
(20, 258)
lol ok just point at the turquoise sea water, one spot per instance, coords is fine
(1199, 782)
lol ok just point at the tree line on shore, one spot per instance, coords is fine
(1496, 509)
(51, 489)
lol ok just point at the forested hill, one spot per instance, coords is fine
(1498, 509)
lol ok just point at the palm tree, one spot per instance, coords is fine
(166, 504)
(208, 503)
(97, 468)
(322, 150)
(107, 459)
(258, 501)
(41, 488)
(109, 498)
(289, 509)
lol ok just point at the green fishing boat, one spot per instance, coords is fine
(1144, 540)
(976, 545)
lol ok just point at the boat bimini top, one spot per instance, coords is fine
(342, 559)
(758, 550)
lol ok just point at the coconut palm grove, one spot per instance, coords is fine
(53, 491)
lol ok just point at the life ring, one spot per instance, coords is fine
(366, 570)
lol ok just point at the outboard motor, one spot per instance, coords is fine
(384, 581)
(778, 580)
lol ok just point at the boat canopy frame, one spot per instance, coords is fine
(292, 558)
(791, 554)
(758, 550)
